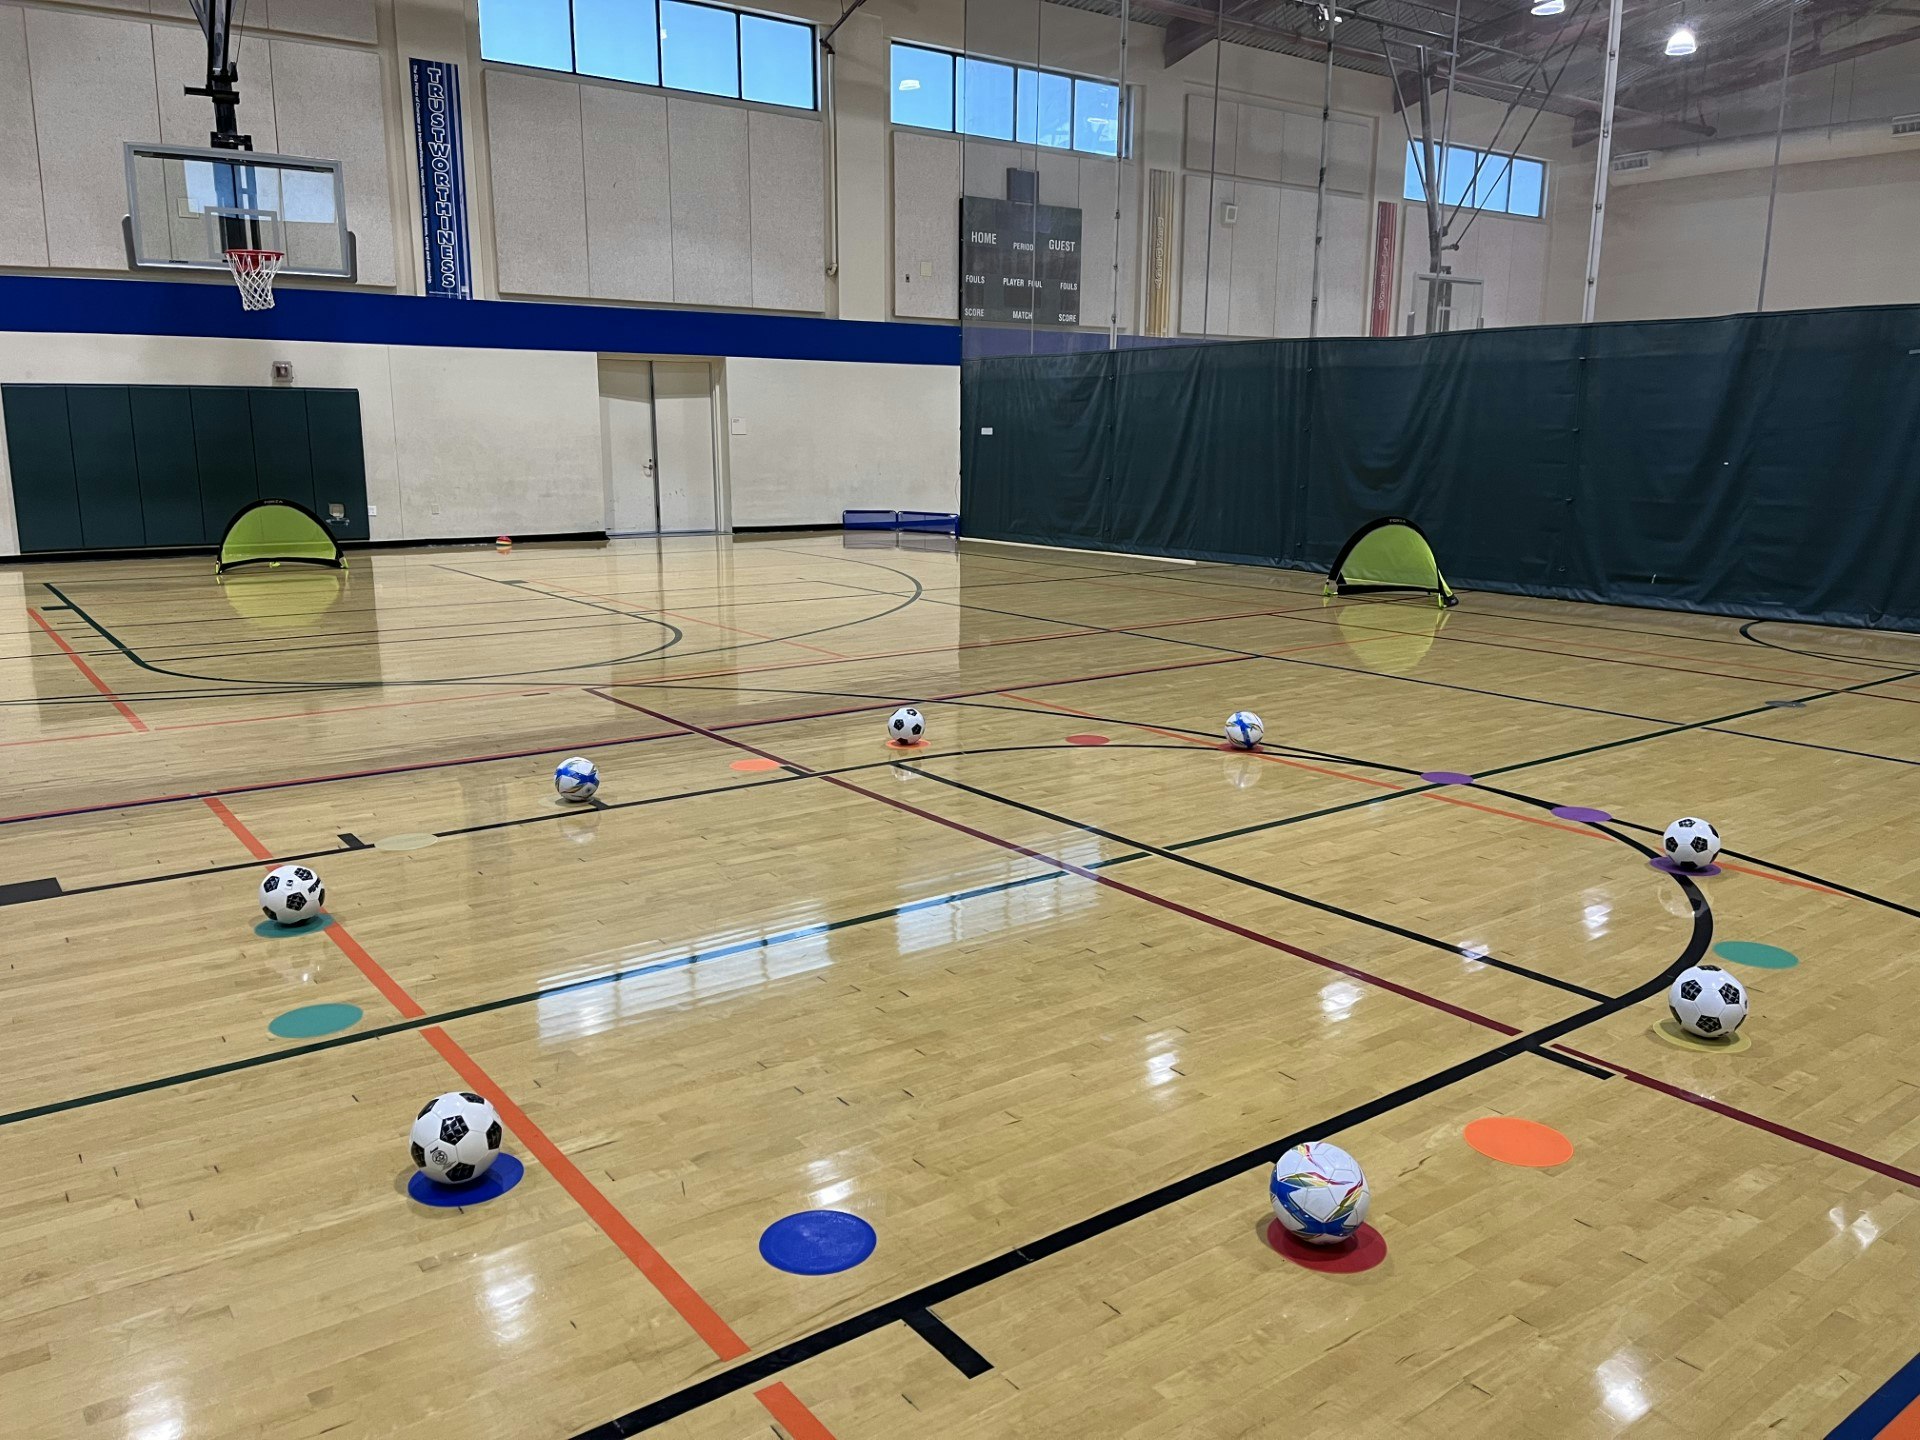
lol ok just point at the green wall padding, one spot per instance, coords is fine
(1763, 465)
(114, 467)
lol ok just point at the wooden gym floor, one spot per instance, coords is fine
(1037, 1008)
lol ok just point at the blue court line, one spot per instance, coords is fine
(1881, 1408)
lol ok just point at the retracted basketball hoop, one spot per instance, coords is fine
(253, 272)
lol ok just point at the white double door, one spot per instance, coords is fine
(658, 448)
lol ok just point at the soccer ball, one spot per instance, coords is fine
(1244, 729)
(1708, 1002)
(292, 895)
(576, 779)
(906, 726)
(1691, 843)
(456, 1136)
(1319, 1193)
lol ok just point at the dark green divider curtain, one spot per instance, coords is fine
(1760, 465)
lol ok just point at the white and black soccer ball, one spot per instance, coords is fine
(907, 726)
(1319, 1193)
(1708, 1002)
(292, 895)
(576, 779)
(1243, 729)
(455, 1138)
(1691, 843)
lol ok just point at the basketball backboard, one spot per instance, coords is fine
(187, 206)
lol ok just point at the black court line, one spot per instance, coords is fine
(1746, 632)
(1234, 877)
(282, 686)
(955, 1351)
(591, 982)
(761, 1367)
(21, 892)
(1809, 745)
(1145, 634)
(1548, 1052)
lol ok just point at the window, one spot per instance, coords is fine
(527, 32)
(699, 48)
(776, 62)
(1477, 179)
(922, 88)
(615, 39)
(707, 49)
(1045, 114)
(936, 90)
(1096, 117)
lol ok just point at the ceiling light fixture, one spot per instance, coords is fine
(1550, 7)
(1682, 41)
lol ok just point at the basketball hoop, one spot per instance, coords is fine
(253, 272)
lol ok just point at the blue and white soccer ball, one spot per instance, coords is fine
(292, 895)
(456, 1137)
(1319, 1193)
(576, 779)
(1244, 729)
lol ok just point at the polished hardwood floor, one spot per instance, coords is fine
(1039, 1008)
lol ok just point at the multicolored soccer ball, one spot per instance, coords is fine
(455, 1138)
(1319, 1193)
(576, 779)
(1691, 843)
(292, 895)
(1244, 729)
(1708, 1002)
(907, 726)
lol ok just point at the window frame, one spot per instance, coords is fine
(1512, 161)
(739, 97)
(957, 61)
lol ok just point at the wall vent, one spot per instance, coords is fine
(1906, 124)
(1638, 160)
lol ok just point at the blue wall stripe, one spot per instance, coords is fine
(61, 305)
(1878, 1410)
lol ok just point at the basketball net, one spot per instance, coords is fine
(253, 272)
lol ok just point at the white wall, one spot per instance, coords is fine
(811, 438)
(75, 85)
(458, 443)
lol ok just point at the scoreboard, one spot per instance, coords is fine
(1019, 263)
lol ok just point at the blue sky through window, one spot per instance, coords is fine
(699, 48)
(527, 32)
(776, 62)
(616, 39)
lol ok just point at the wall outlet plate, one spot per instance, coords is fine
(283, 369)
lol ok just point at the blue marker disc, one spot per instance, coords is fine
(501, 1176)
(817, 1242)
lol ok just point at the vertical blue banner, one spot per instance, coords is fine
(443, 179)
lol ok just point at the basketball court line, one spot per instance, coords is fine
(86, 670)
(1085, 873)
(686, 1302)
(104, 806)
(1810, 745)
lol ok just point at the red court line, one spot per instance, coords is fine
(672, 1287)
(1758, 1122)
(245, 836)
(1204, 917)
(1586, 832)
(704, 1320)
(324, 779)
(57, 739)
(1204, 744)
(86, 670)
(800, 1422)
(350, 709)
